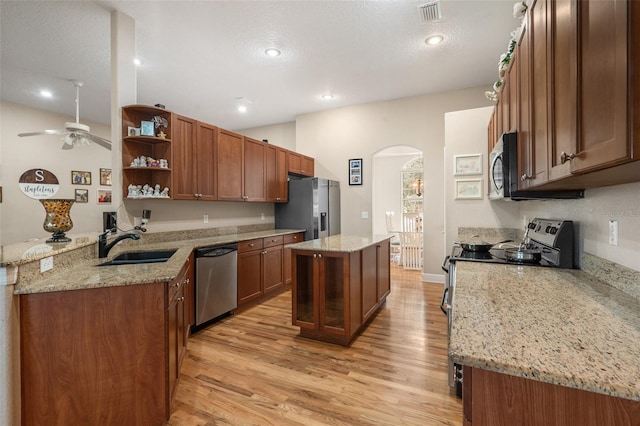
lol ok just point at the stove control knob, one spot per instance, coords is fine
(538, 228)
(553, 230)
(547, 229)
(532, 225)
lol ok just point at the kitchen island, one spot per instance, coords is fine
(339, 283)
(553, 346)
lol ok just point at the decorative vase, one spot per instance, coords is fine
(58, 221)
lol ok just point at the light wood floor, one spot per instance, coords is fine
(252, 369)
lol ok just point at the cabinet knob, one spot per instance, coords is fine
(525, 177)
(177, 285)
(315, 255)
(319, 255)
(181, 299)
(564, 157)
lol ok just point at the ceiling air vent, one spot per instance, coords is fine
(430, 11)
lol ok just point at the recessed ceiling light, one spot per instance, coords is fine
(46, 94)
(242, 108)
(137, 61)
(434, 39)
(272, 52)
(327, 96)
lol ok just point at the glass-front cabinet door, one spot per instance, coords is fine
(304, 290)
(332, 313)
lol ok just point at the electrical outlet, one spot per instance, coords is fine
(46, 264)
(206, 218)
(261, 216)
(613, 232)
(365, 215)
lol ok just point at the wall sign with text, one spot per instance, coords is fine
(38, 184)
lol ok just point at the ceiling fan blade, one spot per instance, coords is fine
(100, 141)
(44, 132)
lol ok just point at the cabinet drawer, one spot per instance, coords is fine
(249, 245)
(294, 238)
(273, 241)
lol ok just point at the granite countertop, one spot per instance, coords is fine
(86, 274)
(340, 243)
(559, 326)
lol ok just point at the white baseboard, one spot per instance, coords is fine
(433, 278)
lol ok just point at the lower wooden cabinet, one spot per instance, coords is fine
(290, 239)
(491, 398)
(260, 267)
(107, 355)
(334, 294)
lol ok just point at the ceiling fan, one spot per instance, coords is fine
(75, 133)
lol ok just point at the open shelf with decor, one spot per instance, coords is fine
(146, 151)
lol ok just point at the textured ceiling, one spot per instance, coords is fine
(199, 57)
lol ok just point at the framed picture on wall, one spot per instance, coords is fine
(355, 171)
(82, 195)
(470, 164)
(104, 196)
(80, 178)
(105, 177)
(468, 189)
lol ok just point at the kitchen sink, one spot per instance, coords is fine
(129, 258)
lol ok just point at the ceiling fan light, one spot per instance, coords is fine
(327, 96)
(46, 93)
(242, 108)
(272, 52)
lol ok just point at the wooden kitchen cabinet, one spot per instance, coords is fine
(300, 164)
(254, 170)
(135, 146)
(230, 166)
(290, 239)
(194, 160)
(107, 355)
(577, 95)
(335, 294)
(491, 398)
(276, 174)
(260, 267)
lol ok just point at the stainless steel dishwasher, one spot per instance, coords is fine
(216, 286)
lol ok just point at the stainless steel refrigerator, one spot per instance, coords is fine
(314, 205)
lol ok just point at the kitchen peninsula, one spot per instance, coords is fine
(339, 283)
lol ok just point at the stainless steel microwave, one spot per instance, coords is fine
(503, 175)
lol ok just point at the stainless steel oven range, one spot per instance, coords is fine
(547, 243)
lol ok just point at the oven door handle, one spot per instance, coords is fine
(444, 301)
(446, 261)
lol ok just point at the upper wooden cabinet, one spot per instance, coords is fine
(194, 175)
(204, 162)
(276, 174)
(577, 97)
(137, 148)
(300, 164)
(254, 188)
(230, 166)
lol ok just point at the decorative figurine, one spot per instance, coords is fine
(162, 134)
(165, 192)
(156, 190)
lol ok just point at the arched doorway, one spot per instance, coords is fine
(397, 186)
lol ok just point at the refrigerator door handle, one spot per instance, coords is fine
(323, 221)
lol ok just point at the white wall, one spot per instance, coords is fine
(22, 217)
(621, 203)
(333, 137)
(466, 133)
(281, 134)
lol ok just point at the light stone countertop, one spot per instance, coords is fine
(340, 243)
(86, 274)
(559, 326)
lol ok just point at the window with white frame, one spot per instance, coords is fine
(412, 185)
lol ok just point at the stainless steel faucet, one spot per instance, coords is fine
(104, 248)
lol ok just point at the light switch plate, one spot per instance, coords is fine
(46, 264)
(365, 215)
